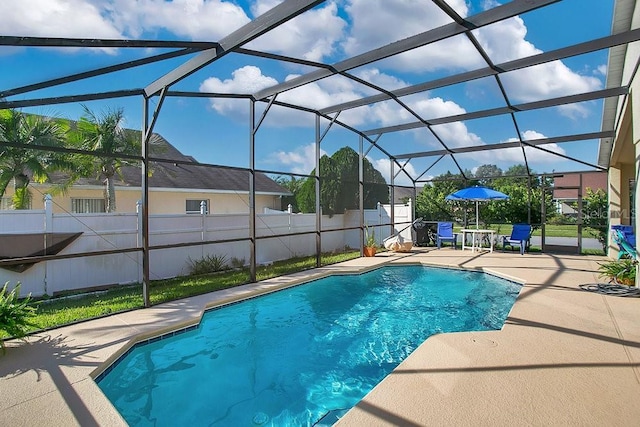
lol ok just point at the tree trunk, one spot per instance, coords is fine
(110, 195)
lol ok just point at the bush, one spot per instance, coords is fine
(14, 313)
(237, 262)
(622, 272)
(210, 263)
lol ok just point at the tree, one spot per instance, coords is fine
(339, 188)
(595, 206)
(24, 165)
(487, 171)
(292, 184)
(525, 198)
(105, 135)
(431, 204)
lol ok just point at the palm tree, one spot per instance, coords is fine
(23, 165)
(105, 135)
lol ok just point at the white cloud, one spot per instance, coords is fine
(313, 35)
(195, 19)
(384, 166)
(55, 18)
(534, 155)
(117, 19)
(245, 80)
(601, 70)
(301, 160)
(377, 23)
(505, 41)
(325, 92)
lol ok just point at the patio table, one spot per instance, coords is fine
(477, 236)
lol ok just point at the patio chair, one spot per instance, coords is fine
(445, 234)
(625, 242)
(520, 236)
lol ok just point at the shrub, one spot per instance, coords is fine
(237, 262)
(370, 237)
(14, 313)
(210, 263)
(621, 272)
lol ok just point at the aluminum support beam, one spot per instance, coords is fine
(318, 204)
(269, 20)
(361, 191)
(252, 193)
(516, 7)
(517, 64)
(553, 102)
(146, 278)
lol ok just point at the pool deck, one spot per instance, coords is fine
(564, 357)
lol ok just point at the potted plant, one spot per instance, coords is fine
(370, 245)
(14, 313)
(621, 272)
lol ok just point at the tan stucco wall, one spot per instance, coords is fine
(160, 202)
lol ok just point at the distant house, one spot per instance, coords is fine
(173, 188)
(565, 192)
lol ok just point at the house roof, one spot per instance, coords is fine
(189, 176)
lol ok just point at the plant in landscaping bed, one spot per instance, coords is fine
(210, 263)
(370, 237)
(237, 262)
(622, 271)
(370, 245)
(14, 313)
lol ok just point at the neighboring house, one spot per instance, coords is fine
(173, 188)
(565, 192)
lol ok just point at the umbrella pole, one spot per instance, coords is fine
(477, 215)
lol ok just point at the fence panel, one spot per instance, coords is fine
(105, 232)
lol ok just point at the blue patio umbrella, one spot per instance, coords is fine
(476, 194)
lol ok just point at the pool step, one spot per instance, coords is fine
(331, 417)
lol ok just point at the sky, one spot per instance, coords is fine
(217, 130)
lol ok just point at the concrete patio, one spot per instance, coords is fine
(564, 357)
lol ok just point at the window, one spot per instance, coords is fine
(87, 205)
(193, 206)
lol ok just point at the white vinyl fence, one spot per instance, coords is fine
(121, 231)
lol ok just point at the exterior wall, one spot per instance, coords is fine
(593, 180)
(160, 201)
(625, 155)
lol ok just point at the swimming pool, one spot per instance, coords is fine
(303, 354)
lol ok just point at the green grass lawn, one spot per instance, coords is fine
(56, 312)
(550, 230)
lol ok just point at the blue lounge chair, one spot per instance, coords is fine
(520, 236)
(445, 234)
(626, 243)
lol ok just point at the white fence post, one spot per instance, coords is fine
(48, 228)
(48, 213)
(139, 237)
(203, 212)
(139, 225)
(378, 228)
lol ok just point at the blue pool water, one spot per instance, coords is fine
(293, 356)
